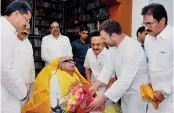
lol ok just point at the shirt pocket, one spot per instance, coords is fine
(164, 58)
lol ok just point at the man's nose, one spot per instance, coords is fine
(95, 46)
(146, 28)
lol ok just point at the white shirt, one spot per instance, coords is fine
(30, 76)
(13, 88)
(95, 63)
(159, 52)
(52, 48)
(129, 63)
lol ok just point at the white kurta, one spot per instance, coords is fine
(159, 52)
(130, 64)
(96, 63)
(13, 88)
(52, 48)
(30, 76)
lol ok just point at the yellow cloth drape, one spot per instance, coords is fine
(147, 93)
(66, 81)
(40, 99)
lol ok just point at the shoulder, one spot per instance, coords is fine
(46, 37)
(75, 42)
(90, 51)
(132, 47)
(105, 51)
(170, 28)
(63, 37)
(27, 41)
(169, 32)
(148, 39)
(131, 43)
(90, 54)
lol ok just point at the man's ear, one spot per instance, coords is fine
(79, 32)
(61, 66)
(139, 34)
(15, 13)
(113, 36)
(163, 21)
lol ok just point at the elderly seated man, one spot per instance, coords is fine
(59, 81)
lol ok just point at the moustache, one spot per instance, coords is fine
(55, 30)
(95, 49)
(148, 30)
(24, 33)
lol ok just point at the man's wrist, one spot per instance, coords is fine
(97, 84)
(105, 98)
(95, 87)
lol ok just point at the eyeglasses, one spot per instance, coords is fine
(148, 24)
(28, 20)
(69, 61)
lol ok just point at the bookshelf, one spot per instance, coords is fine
(44, 11)
(84, 12)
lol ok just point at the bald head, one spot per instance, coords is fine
(24, 32)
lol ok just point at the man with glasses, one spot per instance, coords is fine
(80, 47)
(57, 86)
(13, 89)
(159, 52)
(55, 44)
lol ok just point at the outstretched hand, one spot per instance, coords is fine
(93, 90)
(97, 104)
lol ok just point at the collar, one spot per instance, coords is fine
(123, 42)
(8, 24)
(54, 37)
(164, 33)
(86, 42)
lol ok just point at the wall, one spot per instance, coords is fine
(122, 12)
(168, 4)
(137, 19)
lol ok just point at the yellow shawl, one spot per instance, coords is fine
(40, 99)
(147, 93)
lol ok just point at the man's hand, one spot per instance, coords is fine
(93, 89)
(158, 96)
(97, 104)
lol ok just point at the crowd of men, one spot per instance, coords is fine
(110, 74)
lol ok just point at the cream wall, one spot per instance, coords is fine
(137, 19)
